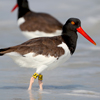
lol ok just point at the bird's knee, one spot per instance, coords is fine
(40, 77)
(35, 75)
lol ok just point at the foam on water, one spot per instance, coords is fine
(78, 93)
(84, 93)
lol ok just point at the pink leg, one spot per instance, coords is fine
(31, 82)
(40, 78)
(40, 84)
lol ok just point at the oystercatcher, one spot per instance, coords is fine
(33, 24)
(46, 52)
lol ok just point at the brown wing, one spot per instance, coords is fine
(45, 46)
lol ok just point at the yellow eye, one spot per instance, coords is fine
(73, 23)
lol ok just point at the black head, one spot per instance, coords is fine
(71, 25)
(69, 33)
(22, 3)
(23, 7)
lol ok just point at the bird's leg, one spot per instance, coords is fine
(40, 78)
(39, 70)
(35, 75)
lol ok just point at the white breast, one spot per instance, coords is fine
(63, 58)
(21, 21)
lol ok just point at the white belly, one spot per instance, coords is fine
(36, 34)
(31, 60)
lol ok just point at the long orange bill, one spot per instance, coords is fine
(82, 32)
(14, 7)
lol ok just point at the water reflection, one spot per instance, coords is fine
(32, 96)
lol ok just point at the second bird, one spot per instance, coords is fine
(33, 24)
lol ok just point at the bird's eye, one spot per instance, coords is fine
(72, 22)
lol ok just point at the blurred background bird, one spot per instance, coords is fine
(36, 24)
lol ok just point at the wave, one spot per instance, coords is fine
(93, 20)
(85, 93)
(78, 93)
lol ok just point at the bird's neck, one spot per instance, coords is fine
(71, 40)
(22, 11)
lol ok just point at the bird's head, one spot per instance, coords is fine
(20, 3)
(74, 25)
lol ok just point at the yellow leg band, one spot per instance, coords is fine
(40, 77)
(35, 75)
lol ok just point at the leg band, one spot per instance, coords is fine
(35, 75)
(40, 77)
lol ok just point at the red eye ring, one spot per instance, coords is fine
(72, 22)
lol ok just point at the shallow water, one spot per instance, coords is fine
(77, 79)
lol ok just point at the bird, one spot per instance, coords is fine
(36, 24)
(47, 52)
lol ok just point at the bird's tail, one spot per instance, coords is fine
(4, 51)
